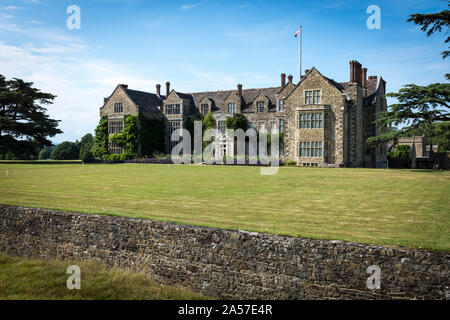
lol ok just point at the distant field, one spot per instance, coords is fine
(24, 279)
(391, 207)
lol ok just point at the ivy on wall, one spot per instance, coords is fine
(151, 133)
(100, 148)
(140, 137)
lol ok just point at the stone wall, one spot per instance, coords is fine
(224, 263)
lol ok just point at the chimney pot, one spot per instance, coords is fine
(373, 77)
(239, 88)
(283, 80)
(158, 90)
(306, 71)
(364, 78)
(167, 88)
(290, 78)
(104, 100)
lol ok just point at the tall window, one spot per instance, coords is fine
(273, 127)
(281, 124)
(204, 109)
(260, 107)
(221, 126)
(316, 97)
(281, 105)
(171, 127)
(312, 97)
(310, 149)
(310, 121)
(172, 109)
(118, 107)
(115, 127)
(232, 108)
(261, 127)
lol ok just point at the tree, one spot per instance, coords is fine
(24, 124)
(86, 145)
(432, 22)
(100, 148)
(418, 107)
(238, 121)
(440, 136)
(45, 153)
(65, 151)
(400, 152)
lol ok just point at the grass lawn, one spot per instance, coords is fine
(22, 279)
(392, 207)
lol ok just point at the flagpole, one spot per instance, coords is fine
(300, 53)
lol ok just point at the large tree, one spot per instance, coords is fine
(24, 123)
(418, 107)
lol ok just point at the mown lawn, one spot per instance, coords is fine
(392, 207)
(24, 279)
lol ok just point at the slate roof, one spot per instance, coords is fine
(147, 102)
(249, 96)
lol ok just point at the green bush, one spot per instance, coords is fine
(400, 152)
(291, 163)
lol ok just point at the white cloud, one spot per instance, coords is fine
(79, 83)
(11, 8)
(187, 7)
(6, 15)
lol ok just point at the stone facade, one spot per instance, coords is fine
(226, 263)
(345, 113)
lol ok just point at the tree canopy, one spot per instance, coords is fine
(24, 123)
(433, 22)
(65, 151)
(418, 107)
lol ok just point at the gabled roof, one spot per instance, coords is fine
(146, 101)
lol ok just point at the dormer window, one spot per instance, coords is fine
(204, 109)
(260, 107)
(118, 107)
(232, 108)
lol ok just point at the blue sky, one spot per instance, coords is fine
(204, 45)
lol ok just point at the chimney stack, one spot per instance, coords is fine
(125, 86)
(104, 100)
(364, 78)
(283, 80)
(306, 71)
(290, 78)
(355, 72)
(158, 90)
(167, 88)
(239, 88)
(373, 77)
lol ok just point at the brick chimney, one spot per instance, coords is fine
(239, 89)
(283, 80)
(355, 72)
(364, 78)
(167, 88)
(290, 78)
(158, 90)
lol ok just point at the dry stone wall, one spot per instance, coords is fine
(225, 263)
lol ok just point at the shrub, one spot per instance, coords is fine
(291, 162)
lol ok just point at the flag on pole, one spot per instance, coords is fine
(299, 31)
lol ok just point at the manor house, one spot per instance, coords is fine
(324, 122)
